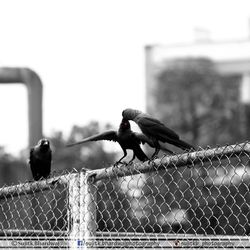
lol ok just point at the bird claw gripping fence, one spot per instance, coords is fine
(194, 199)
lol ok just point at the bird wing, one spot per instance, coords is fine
(143, 139)
(32, 163)
(110, 135)
(154, 127)
(49, 156)
(31, 158)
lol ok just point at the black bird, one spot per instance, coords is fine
(155, 130)
(40, 160)
(127, 140)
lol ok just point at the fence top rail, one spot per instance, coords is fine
(179, 160)
(33, 187)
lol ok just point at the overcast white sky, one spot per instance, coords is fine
(90, 54)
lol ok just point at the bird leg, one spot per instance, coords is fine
(120, 161)
(132, 159)
(155, 153)
(157, 147)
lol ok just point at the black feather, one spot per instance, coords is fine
(40, 160)
(155, 130)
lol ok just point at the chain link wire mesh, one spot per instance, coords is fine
(203, 193)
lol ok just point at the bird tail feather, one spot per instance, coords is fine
(166, 149)
(183, 145)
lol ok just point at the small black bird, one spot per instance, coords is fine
(155, 130)
(126, 138)
(40, 160)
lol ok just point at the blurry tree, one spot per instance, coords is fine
(201, 105)
(12, 169)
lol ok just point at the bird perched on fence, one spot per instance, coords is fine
(127, 140)
(155, 130)
(40, 160)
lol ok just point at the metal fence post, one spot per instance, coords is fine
(74, 210)
(82, 210)
(87, 206)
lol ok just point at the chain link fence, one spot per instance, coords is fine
(202, 195)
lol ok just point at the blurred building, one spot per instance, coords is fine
(232, 58)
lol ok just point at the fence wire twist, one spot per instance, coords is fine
(196, 193)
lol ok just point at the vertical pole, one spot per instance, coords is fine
(74, 210)
(82, 210)
(35, 105)
(88, 206)
(33, 83)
